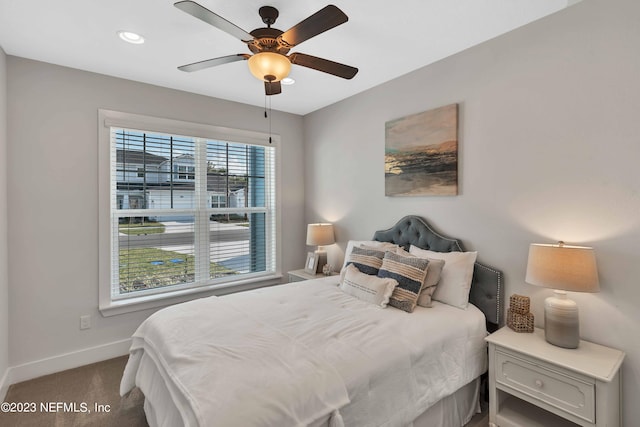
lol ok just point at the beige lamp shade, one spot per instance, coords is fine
(570, 268)
(564, 268)
(272, 64)
(320, 234)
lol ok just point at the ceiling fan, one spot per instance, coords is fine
(270, 46)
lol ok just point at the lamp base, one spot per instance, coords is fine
(561, 321)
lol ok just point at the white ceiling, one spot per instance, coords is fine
(384, 39)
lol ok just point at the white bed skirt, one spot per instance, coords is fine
(454, 410)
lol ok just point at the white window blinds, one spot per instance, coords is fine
(188, 212)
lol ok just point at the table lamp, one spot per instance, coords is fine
(564, 268)
(320, 235)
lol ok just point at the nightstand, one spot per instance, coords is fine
(300, 275)
(533, 383)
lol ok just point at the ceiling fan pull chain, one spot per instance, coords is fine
(268, 115)
(270, 121)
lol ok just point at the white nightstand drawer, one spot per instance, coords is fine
(562, 390)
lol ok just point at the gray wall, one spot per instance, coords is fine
(4, 276)
(549, 149)
(53, 200)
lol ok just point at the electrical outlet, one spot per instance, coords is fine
(85, 322)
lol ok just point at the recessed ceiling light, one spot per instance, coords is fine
(131, 37)
(288, 81)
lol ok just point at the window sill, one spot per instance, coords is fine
(130, 305)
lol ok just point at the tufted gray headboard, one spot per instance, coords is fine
(487, 292)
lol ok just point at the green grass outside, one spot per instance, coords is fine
(142, 228)
(147, 268)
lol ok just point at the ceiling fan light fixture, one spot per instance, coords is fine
(270, 64)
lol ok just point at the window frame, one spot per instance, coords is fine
(107, 119)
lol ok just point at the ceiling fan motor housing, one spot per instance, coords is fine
(266, 40)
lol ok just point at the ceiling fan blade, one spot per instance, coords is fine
(324, 65)
(321, 21)
(213, 62)
(272, 88)
(204, 14)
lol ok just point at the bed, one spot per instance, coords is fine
(310, 354)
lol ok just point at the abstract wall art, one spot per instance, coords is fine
(421, 154)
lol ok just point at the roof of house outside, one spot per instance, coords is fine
(138, 157)
(215, 183)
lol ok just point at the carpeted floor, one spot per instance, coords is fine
(91, 395)
(91, 385)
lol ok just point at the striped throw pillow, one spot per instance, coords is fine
(368, 261)
(410, 273)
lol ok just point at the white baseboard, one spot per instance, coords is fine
(51, 365)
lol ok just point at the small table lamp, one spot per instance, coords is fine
(564, 268)
(320, 235)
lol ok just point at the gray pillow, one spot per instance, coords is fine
(430, 282)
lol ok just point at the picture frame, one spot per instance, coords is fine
(311, 265)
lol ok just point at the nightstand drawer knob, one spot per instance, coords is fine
(539, 383)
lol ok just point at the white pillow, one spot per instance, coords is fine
(383, 246)
(457, 273)
(371, 289)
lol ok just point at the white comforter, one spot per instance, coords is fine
(293, 354)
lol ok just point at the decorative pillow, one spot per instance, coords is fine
(410, 273)
(433, 276)
(457, 273)
(365, 287)
(381, 246)
(368, 261)
(426, 296)
(401, 251)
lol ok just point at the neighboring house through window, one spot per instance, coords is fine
(187, 211)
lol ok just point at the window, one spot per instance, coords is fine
(219, 201)
(189, 210)
(181, 172)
